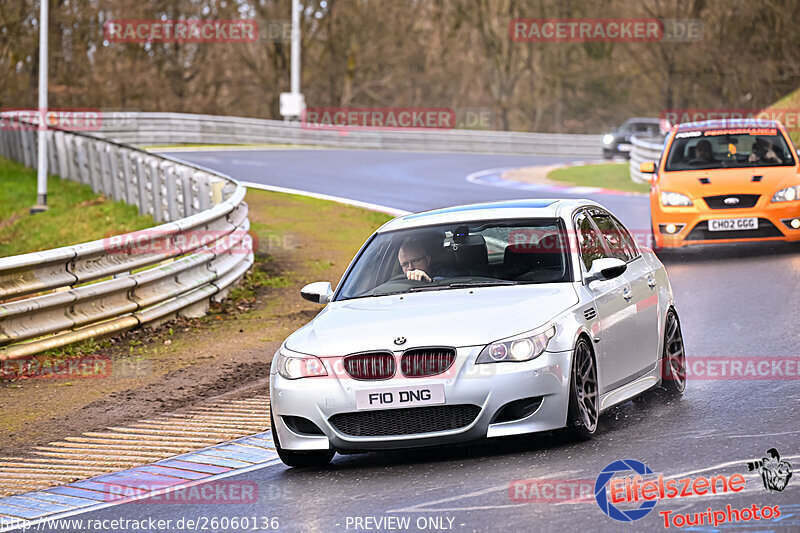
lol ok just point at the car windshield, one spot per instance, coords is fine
(728, 148)
(459, 255)
(641, 127)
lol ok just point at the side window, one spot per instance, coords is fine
(618, 246)
(628, 242)
(589, 240)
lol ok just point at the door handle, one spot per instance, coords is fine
(651, 282)
(627, 294)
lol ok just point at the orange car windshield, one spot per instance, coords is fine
(728, 148)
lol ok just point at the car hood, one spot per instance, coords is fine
(729, 181)
(453, 317)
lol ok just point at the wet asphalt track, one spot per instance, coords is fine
(736, 301)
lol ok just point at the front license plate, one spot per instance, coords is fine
(395, 397)
(732, 224)
(625, 147)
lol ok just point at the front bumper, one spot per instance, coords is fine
(694, 219)
(487, 386)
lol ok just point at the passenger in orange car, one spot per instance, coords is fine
(763, 152)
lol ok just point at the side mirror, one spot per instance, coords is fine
(647, 167)
(319, 292)
(606, 268)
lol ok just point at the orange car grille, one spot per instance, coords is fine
(732, 201)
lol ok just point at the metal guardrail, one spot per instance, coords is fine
(56, 297)
(645, 148)
(178, 128)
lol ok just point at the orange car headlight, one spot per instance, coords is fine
(675, 199)
(788, 194)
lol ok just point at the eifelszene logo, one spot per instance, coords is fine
(774, 473)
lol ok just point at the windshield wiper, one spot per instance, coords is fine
(460, 284)
(428, 288)
(455, 285)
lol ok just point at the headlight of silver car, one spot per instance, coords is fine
(296, 366)
(517, 349)
(788, 194)
(675, 199)
(607, 139)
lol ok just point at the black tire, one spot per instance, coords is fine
(300, 459)
(673, 357)
(608, 154)
(584, 398)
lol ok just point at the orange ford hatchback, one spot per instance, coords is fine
(719, 182)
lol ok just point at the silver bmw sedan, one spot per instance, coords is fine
(476, 322)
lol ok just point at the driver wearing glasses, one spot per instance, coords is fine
(415, 260)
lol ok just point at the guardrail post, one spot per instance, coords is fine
(93, 163)
(216, 191)
(125, 157)
(113, 167)
(203, 190)
(155, 189)
(20, 147)
(63, 154)
(186, 190)
(170, 181)
(77, 161)
(52, 156)
(4, 143)
(141, 184)
(26, 154)
(105, 170)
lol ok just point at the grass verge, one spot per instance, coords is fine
(608, 176)
(76, 213)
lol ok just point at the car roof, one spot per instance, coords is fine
(729, 123)
(523, 208)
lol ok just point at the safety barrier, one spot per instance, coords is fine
(645, 148)
(55, 297)
(179, 128)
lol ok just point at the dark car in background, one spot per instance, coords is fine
(619, 142)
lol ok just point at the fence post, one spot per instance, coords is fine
(63, 155)
(155, 185)
(93, 161)
(125, 156)
(186, 190)
(203, 190)
(105, 170)
(141, 181)
(113, 168)
(172, 190)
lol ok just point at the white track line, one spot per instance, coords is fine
(357, 203)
